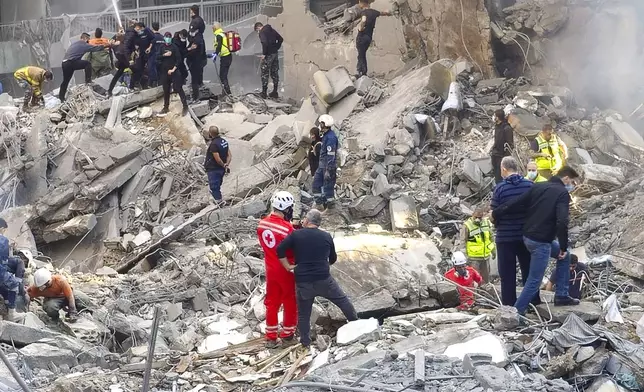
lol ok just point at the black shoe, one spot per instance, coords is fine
(185, 110)
(165, 111)
(109, 94)
(289, 341)
(566, 301)
(273, 95)
(271, 344)
(263, 95)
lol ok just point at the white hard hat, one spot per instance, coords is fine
(41, 277)
(282, 200)
(27, 254)
(327, 120)
(458, 258)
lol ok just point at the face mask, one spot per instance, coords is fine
(570, 187)
(183, 40)
(139, 32)
(532, 175)
(168, 40)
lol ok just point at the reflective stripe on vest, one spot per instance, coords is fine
(552, 148)
(479, 241)
(224, 43)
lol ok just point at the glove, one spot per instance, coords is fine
(72, 317)
(214, 58)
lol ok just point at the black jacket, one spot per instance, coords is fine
(126, 47)
(271, 40)
(196, 56)
(314, 252)
(181, 45)
(503, 134)
(547, 207)
(166, 63)
(198, 24)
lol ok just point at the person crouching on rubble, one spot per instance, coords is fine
(280, 283)
(325, 176)
(578, 273)
(314, 254)
(466, 277)
(57, 294)
(479, 241)
(32, 79)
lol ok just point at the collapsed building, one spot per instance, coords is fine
(116, 199)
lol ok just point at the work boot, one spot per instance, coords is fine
(289, 341)
(165, 110)
(263, 94)
(274, 94)
(565, 301)
(14, 316)
(271, 344)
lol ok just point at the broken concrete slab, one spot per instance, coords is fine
(394, 160)
(200, 300)
(35, 177)
(79, 225)
(261, 118)
(232, 125)
(115, 178)
(444, 292)
(263, 140)
(343, 108)
(55, 199)
(587, 311)
(201, 109)
(23, 335)
(367, 206)
(525, 101)
(41, 355)
(404, 215)
(19, 231)
(103, 163)
(629, 266)
(355, 330)
(124, 151)
(472, 173)
(253, 178)
(240, 108)
(375, 304)
(363, 84)
(603, 176)
(341, 83)
(440, 77)
(135, 185)
(115, 110)
(525, 123)
(174, 311)
(486, 343)
(168, 180)
(249, 208)
(492, 378)
(489, 85)
(132, 100)
(244, 156)
(626, 133)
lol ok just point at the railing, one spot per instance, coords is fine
(224, 11)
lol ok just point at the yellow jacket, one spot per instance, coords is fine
(225, 51)
(35, 76)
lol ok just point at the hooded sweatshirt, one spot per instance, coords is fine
(271, 40)
(509, 227)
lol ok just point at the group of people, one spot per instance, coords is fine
(528, 225)
(150, 58)
(56, 292)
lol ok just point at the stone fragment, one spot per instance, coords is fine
(472, 361)
(174, 311)
(354, 330)
(142, 238)
(135, 186)
(485, 164)
(240, 108)
(440, 77)
(41, 355)
(167, 187)
(367, 206)
(626, 132)
(375, 304)
(487, 99)
(340, 82)
(145, 112)
(445, 293)
(283, 135)
(363, 84)
(526, 101)
(463, 190)
(200, 301)
(629, 267)
(506, 318)
(103, 163)
(115, 178)
(201, 109)
(587, 311)
(217, 342)
(263, 140)
(489, 85)
(472, 173)
(394, 160)
(124, 151)
(525, 123)
(492, 377)
(603, 176)
(584, 353)
(382, 187)
(404, 215)
(133, 100)
(115, 109)
(343, 108)
(106, 271)
(186, 341)
(79, 225)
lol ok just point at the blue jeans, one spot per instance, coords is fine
(562, 271)
(323, 189)
(215, 179)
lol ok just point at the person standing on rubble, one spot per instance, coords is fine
(217, 163)
(145, 42)
(4, 241)
(549, 152)
(225, 56)
(16, 266)
(58, 295)
(196, 22)
(503, 142)
(73, 61)
(196, 60)
(466, 278)
(271, 43)
(533, 173)
(180, 40)
(9, 284)
(125, 47)
(547, 212)
(101, 61)
(367, 24)
(509, 235)
(167, 62)
(479, 242)
(32, 79)
(314, 253)
(280, 283)
(158, 41)
(325, 175)
(314, 151)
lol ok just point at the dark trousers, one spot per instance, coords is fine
(215, 179)
(153, 72)
(196, 76)
(183, 70)
(507, 254)
(324, 186)
(69, 67)
(122, 63)
(53, 306)
(306, 293)
(224, 67)
(170, 82)
(270, 66)
(138, 69)
(362, 44)
(496, 166)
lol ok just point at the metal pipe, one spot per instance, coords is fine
(116, 10)
(14, 372)
(151, 346)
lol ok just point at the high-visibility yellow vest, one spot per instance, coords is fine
(224, 43)
(551, 147)
(479, 240)
(540, 178)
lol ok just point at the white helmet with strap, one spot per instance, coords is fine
(282, 200)
(42, 277)
(459, 259)
(327, 120)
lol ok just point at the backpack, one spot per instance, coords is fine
(234, 41)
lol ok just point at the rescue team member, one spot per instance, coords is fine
(196, 61)
(57, 294)
(168, 60)
(102, 60)
(578, 272)
(31, 79)
(280, 284)
(314, 254)
(547, 212)
(550, 152)
(145, 42)
(271, 43)
(9, 284)
(217, 162)
(314, 151)
(479, 242)
(73, 61)
(367, 24)
(503, 142)
(222, 50)
(180, 40)
(16, 266)
(4, 241)
(465, 277)
(124, 49)
(325, 175)
(158, 41)
(509, 234)
(533, 173)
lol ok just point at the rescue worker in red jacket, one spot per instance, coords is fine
(280, 283)
(467, 278)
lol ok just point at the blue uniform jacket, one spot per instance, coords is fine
(328, 150)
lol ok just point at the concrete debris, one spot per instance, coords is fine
(404, 215)
(355, 330)
(603, 176)
(367, 206)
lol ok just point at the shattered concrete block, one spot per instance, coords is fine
(375, 303)
(472, 173)
(145, 112)
(124, 151)
(404, 215)
(6, 100)
(489, 85)
(79, 225)
(367, 206)
(584, 156)
(114, 117)
(525, 123)
(142, 238)
(283, 135)
(439, 79)
(240, 108)
(23, 335)
(625, 132)
(487, 99)
(394, 160)
(135, 185)
(632, 268)
(341, 83)
(380, 185)
(167, 187)
(492, 377)
(363, 84)
(103, 163)
(525, 101)
(115, 178)
(174, 311)
(354, 330)
(263, 140)
(186, 341)
(373, 96)
(587, 311)
(55, 199)
(232, 125)
(200, 301)
(472, 361)
(402, 149)
(41, 355)
(247, 180)
(463, 190)
(132, 100)
(53, 233)
(485, 164)
(343, 108)
(603, 176)
(445, 293)
(201, 109)
(506, 318)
